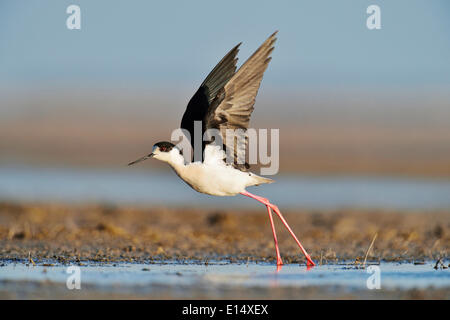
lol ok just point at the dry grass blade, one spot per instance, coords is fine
(30, 259)
(368, 250)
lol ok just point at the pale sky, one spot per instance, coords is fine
(176, 43)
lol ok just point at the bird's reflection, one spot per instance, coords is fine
(280, 266)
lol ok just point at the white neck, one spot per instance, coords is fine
(173, 158)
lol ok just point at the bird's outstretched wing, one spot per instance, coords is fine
(226, 98)
(233, 104)
(198, 106)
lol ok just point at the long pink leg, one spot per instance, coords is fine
(279, 261)
(277, 211)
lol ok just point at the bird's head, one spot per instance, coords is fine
(163, 151)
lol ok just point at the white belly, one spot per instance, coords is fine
(215, 180)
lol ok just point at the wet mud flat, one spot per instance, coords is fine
(127, 252)
(102, 233)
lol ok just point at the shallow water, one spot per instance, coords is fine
(147, 276)
(142, 187)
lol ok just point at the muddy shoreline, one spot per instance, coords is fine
(42, 233)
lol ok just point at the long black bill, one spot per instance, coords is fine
(141, 159)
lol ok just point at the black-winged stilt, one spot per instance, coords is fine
(224, 100)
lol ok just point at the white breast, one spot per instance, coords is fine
(213, 176)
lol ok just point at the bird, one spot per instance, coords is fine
(225, 100)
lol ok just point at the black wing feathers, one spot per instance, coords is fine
(225, 100)
(199, 104)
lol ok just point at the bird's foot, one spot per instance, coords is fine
(309, 262)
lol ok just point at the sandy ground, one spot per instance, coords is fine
(73, 233)
(46, 235)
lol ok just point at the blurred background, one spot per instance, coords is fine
(364, 115)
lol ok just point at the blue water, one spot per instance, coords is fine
(147, 187)
(392, 275)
